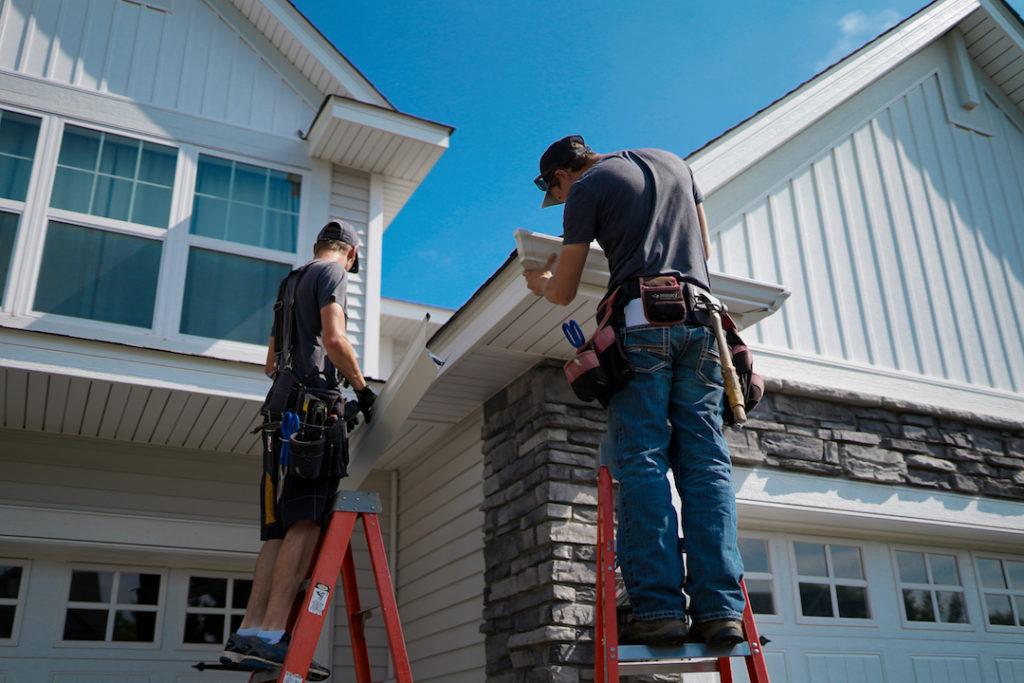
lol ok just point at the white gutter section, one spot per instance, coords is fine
(404, 389)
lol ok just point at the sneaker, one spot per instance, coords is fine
(236, 649)
(718, 632)
(654, 632)
(263, 655)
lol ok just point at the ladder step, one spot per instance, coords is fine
(631, 653)
(668, 666)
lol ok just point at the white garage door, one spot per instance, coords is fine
(846, 611)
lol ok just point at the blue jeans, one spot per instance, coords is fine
(669, 415)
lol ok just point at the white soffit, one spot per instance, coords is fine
(305, 47)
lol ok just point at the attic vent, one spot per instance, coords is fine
(159, 5)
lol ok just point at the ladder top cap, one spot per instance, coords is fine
(356, 501)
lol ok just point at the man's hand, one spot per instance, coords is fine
(537, 279)
(366, 398)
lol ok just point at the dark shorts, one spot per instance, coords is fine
(300, 499)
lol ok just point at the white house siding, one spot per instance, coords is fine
(350, 201)
(440, 560)
(192, 59)
(901, 240)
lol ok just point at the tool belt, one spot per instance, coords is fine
(666, 300)
(305, 429)
(601, 365)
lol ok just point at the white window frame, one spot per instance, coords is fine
(772, 576)
(15, 273)
(831, 581)
(19, 601)
(1010, 591)
(932, 589)
(112, 607)
(227, 610)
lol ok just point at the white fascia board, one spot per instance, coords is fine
(756, 138)
(117, 363)
(324, 52)
(379, 118)
(815, 504)
(406, 310)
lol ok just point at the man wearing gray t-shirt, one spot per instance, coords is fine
(644, 209)
(310, 343)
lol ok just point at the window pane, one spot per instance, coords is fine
(90, 586)
(853, 602)
(755, 555)
(240, 596)
(204, 628)
(1015, 570)
(98, 275)
(846, 562)
(998, 608)
(157, 164)
(250, 184)
(815, 600)
(918, 605)
(120, 156)
(138, 589)
(760, 593)
(213, 176)
(136, 627)
(1019, 601)
(207, 592)
(6, 621)
(8, 231)
(810, 559)
(85, 624)
(944, 571)
(911, 567)
(229, 296)
(283, 192)
(952, 609)
(18, 136)
(245, 225)
(112, 198)
(236, 623)
(991, 572)
(280, 230)
(10, 582)
(152, 205)
(80, 148)
(209, 217)
(72, 190)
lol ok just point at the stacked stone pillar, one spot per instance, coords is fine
(540, 487)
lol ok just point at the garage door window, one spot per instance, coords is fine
(757, 574)
(215, 608)
(831, 583)
(931, 588)
(1002, 584)
(112, 606)
(12, 578)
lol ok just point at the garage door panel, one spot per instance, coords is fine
(845, 668)
(946, 669)
(1010, 670)
(93, 677)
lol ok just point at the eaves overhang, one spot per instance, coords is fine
(376, 139)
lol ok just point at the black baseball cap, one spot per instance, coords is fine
(559, 155)
(342, 232)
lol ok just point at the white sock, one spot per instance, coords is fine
(251, 631)
(272, 637)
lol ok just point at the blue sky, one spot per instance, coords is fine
(512, 77)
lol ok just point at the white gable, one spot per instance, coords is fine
(896, 220)
(200, 58)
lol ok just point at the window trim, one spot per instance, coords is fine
(227, 611)
(19, 602)
(65, 603)
(1012, 592)
(831, 581)
(899, 586)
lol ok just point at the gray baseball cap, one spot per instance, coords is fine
(342, 232)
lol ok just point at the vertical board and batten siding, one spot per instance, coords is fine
(189, 60)
(440, 558)
(350, 202)
(902, 243)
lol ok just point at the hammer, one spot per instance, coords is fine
(733, 390)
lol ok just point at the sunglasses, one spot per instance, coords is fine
(544, 184)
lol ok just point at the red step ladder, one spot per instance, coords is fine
(610, 657)
(334, 557)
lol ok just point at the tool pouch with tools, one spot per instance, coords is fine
(601, 365)
(664, 299)
(751, 383)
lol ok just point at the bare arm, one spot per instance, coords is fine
(270, 366)
(704, 236)
(337, 345)
(559, 287)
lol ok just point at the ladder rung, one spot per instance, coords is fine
(634, 653)
(665, 666)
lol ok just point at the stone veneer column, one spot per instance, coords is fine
(540, 505)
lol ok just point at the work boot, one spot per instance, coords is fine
(263, 655)
(654, 632)
(718, 632)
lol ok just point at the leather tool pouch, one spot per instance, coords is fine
(751, 383)
(664, 299)
(601, 365)
(306, 453)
